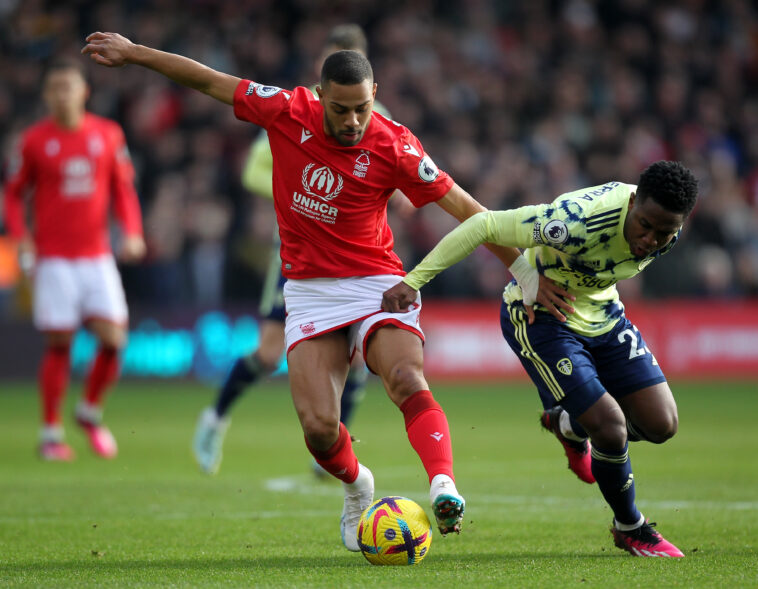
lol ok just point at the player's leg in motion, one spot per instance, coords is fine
(317, 371)
(564, 366)
(353, 392)
(573, 438)
(540, 347)
(103, 373)
(396, 356)
(212, 425)
(606, 424)
(207, 443)
(53, 381)
(629, 371)
(352, 395)
(651, 414)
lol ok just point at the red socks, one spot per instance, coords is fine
(339, 460)
(53, 380)
(429, 434)
(102, 374)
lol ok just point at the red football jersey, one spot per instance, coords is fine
(331, 200)
(73, 175)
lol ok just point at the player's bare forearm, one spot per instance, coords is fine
(398, 298)
(190, 73)
(460, 204)
(113, 50)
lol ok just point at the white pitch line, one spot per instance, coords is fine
(181, 516)
(303, 485)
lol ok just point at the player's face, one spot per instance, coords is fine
(649, 226)
(347, 110)
(65, 93)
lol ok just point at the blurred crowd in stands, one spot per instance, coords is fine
(519, 101)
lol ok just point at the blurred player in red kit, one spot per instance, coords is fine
(74, 166)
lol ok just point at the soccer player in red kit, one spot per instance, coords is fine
(74, 165)
(335, 166)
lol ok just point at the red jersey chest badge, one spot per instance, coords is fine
(322, 182)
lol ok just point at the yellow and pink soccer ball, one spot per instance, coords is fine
(394, 531)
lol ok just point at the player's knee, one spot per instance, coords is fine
(404, 379)
(115, 339)
(609, 437)
(608, 433)
(663, 429)
(268, 360)
(56, 339)
(321, 431)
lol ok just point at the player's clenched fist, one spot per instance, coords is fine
(108, 49)
(398, 298)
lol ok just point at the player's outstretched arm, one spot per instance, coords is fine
(536, 288)
(113, 50)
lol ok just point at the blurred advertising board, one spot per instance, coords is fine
(463, 342)
(689, 339)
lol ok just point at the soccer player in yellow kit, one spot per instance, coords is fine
(595, 374)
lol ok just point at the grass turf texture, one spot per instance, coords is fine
(151, 519)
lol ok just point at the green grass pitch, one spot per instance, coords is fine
(151, 519)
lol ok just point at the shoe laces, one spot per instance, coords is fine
(645, 533)
(353, 506)
(444, 487)
(213, 439)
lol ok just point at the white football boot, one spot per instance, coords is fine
(447, 504)
(358, 496)
(209, 440)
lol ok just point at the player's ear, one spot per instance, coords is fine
(373, 92)
(631, 200)
(320, 92)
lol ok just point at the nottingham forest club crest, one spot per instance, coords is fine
(321, 182)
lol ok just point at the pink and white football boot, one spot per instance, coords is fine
(56, 452)
(645, 541)
(578, 453)
(89, 418)
(100, 439)
(52, 447)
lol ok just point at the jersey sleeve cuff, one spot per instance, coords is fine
(239, 95)
(414, 280)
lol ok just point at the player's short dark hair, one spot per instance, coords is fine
(670, 184)
(348, 36)
(347, 68)
(66, 63)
